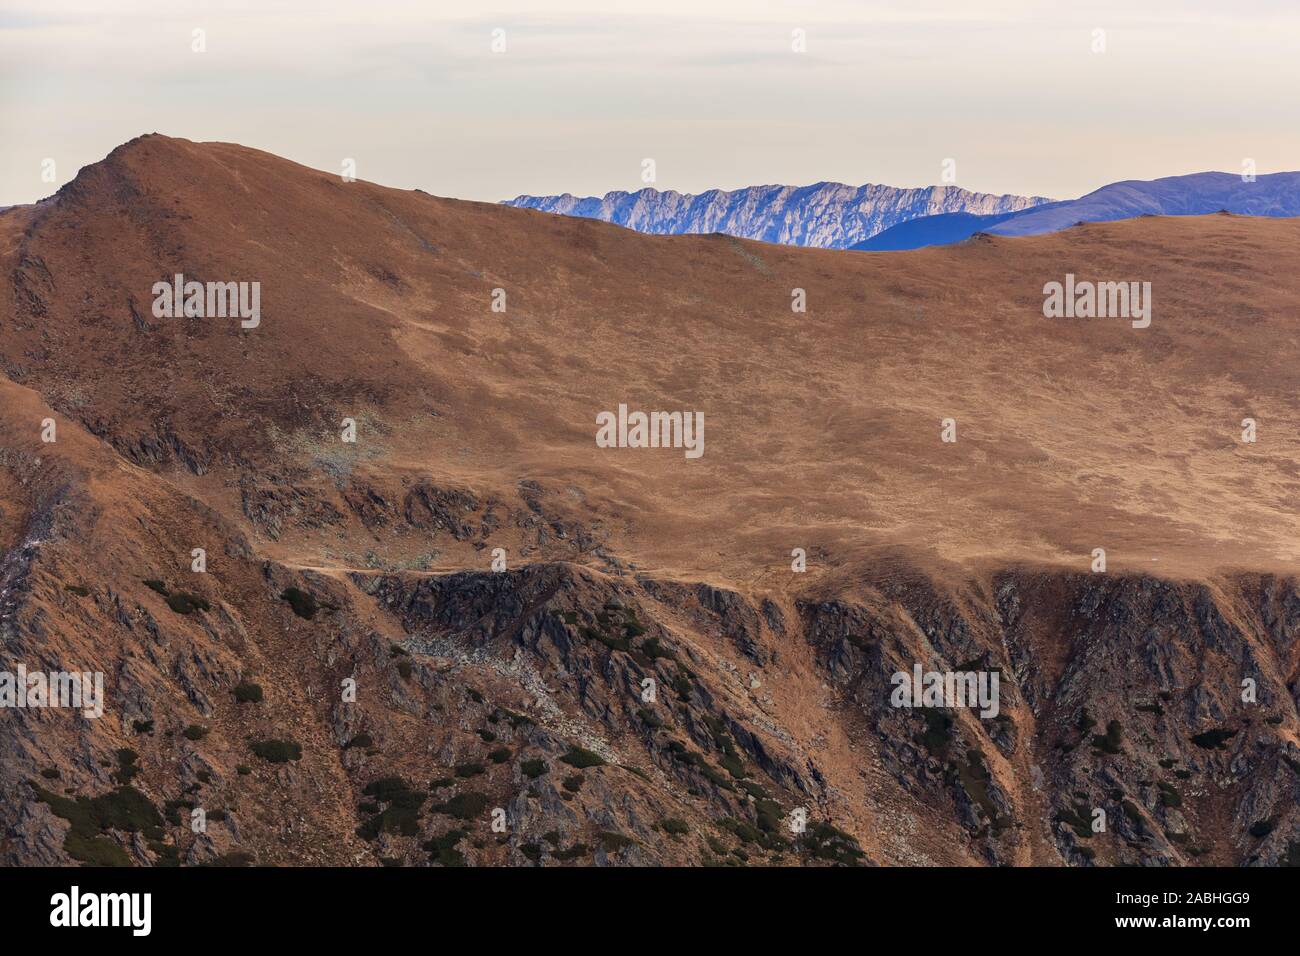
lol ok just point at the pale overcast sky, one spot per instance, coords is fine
(710, 89)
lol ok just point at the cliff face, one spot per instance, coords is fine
(471, 636)
(823, 215)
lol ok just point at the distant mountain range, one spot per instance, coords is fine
(824, 215)
(877, 218)
(1277, 194)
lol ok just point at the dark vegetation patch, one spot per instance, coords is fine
(616, 627)
(126, 766)
(582, 758)
(183, 602)
(277, 751)
(402, 813)
(125, 809)
(442, 849)
(246, 693)
(823, 841)
(515, 721)
(1110, 741)
(937, 735)
(1216, 739)
(975, 778)
(463, 806)
(1076, 818)
(303, 603)
(682, 754)
(572, 853)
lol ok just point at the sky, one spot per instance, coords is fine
(1014, 92)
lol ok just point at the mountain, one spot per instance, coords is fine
(824, 215)
(1274, 195)
(930, 231)
(645, 677)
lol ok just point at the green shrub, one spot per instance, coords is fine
(402, 815)
(246, 693)
(1216, 739)
(466, 770)
(674, 826)
(582, 758)
(183, 602)
(500, 755)
(1109, 743)
(532, 769)
(938, 731)
(573, 783)
(442, 849)
(277, 751)
(124, 809)
(142, 726)
(463, 806)
(194, 732)
(825, 842)
(77, 589)
(363, 740)
(126, 768)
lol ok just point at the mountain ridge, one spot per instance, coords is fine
(822, 215)
(522, 689)
(1273, 195)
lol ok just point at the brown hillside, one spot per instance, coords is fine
(475, 431)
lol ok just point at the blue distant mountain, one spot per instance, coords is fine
(1276, 194)
(931, 231)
